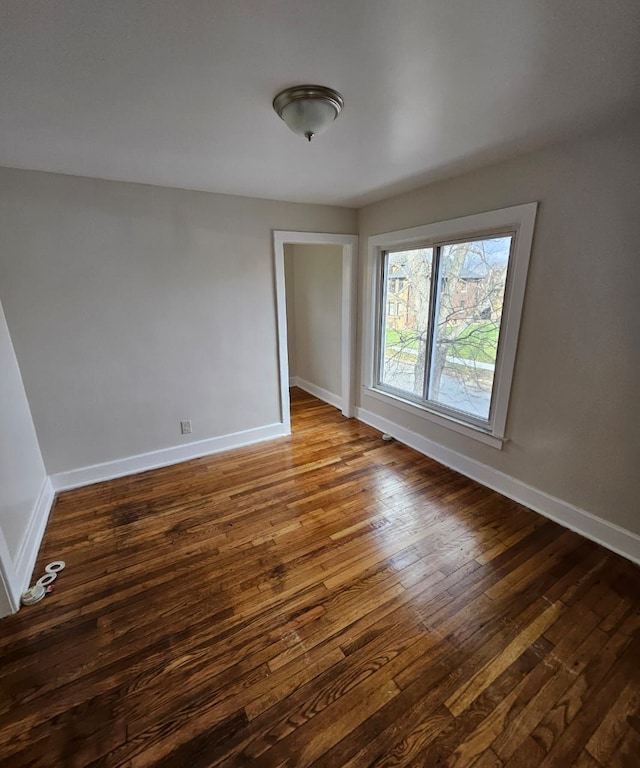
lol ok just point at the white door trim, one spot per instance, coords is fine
(349, 245)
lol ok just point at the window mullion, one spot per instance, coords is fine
(435, 274)
(382, 313)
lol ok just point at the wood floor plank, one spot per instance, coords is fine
(566, 729)
(325, 599)
(472, 688)
(529, 710)
(614, 726)
(626, 754)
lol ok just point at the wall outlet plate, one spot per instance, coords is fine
(185, 427)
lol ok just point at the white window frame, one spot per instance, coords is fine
(518, 220)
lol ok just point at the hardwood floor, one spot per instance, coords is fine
(326, 599)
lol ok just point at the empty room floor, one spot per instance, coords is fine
(325, 599)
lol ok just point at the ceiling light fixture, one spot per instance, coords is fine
(308, 110)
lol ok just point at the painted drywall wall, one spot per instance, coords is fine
(134, 307)
(22, 472)
(317, 313)
(573, 425)
(290, 286)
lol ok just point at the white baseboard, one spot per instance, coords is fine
(8, 604)
(21, 568)
(28, 550)
(75, 478)
(319, 392)
(293, 381)
(610, 535)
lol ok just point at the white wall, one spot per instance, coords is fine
(22, 472)
(133, 307)
(573, 427)
(290, 287)
(317, 314)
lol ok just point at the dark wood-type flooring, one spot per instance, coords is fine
(326, 599)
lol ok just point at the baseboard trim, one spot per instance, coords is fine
(8, 604)
(609, 535)
(76, 478)
(319, 392)
(27, 554)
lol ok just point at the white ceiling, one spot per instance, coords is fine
(178, 92)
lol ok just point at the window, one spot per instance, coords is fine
(449, 355)
(445, 352)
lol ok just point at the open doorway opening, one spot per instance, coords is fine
(309, 249)
(313, 288)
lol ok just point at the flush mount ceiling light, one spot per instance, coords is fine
(308, 109)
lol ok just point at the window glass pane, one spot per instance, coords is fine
(471, 289)
(404, 333)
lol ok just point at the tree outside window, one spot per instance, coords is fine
(443, 348)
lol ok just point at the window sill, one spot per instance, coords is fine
(468, 430)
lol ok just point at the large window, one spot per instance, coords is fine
(444, 349)
(451, 351)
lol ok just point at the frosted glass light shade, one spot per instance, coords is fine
(308, 110)
(309, 116)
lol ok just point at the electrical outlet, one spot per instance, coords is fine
(185, 427)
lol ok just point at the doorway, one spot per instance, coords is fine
(348, 245)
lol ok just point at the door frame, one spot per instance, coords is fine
(349, 245)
